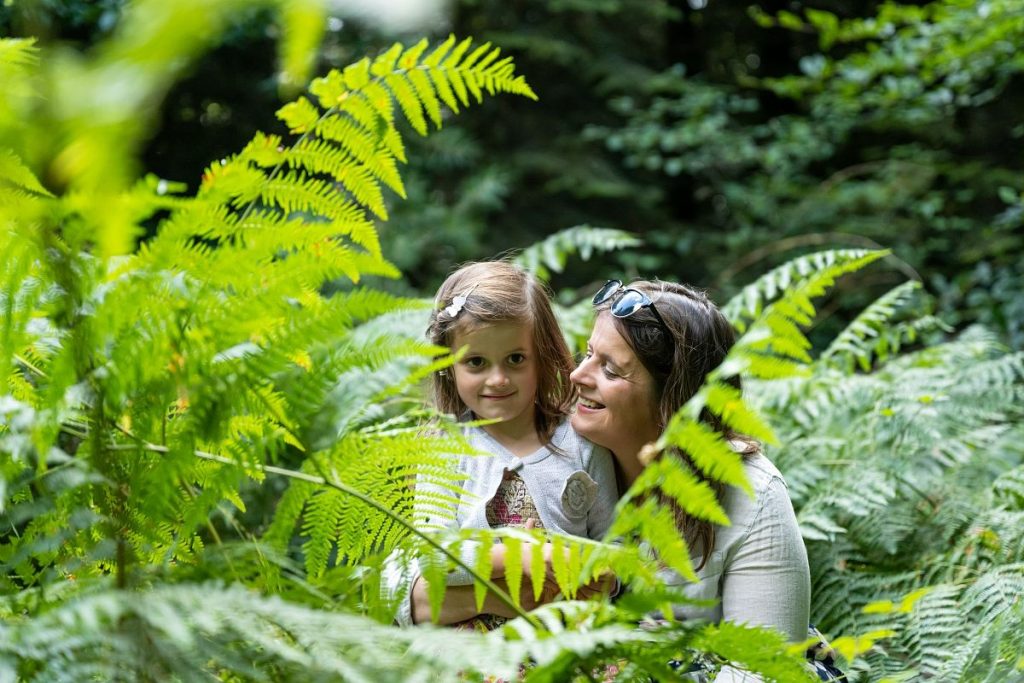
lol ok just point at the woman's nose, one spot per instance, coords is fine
(580, 374)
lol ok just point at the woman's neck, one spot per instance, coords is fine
(629, 468)
(628, 456)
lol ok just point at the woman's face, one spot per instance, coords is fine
(617, 407)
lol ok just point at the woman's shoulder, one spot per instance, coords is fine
(760, 471)
(769, 488)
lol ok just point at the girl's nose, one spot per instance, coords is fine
(498, 378)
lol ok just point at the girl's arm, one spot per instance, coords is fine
(459, 602)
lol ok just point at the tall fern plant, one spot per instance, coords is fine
(145, 387)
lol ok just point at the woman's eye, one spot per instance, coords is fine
(516, 359)
(609, 373)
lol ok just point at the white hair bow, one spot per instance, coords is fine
(458, 301)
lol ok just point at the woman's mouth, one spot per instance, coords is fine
(588, 404)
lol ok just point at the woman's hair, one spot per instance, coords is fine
(700, 339)
(500, 292)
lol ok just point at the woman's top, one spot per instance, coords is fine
(757, 571)
(572, 486)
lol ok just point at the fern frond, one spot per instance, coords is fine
(890, 469)
(706, 448)
(358, 140)
(872, 335)
(1008, 489)
(196, 631)
(749, 302)
(550, 255)
(729, 644)
(13, 170)
(18, 51)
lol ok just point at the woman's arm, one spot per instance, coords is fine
(766, 581)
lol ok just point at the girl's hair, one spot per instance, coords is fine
(700, 339)
(500, 292)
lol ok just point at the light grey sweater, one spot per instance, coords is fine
(574, 491)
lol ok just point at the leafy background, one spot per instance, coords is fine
(716, 144)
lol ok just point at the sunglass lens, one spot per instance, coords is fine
(605, 292)
(629, 303)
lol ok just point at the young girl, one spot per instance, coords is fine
(515, 369)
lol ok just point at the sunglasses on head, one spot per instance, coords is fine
(627, 301)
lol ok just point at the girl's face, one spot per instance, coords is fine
(617, 407)
(497, 376)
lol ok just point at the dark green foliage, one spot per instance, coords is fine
(893, 130)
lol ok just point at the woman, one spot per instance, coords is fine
(652, 346)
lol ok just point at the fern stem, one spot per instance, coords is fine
(30, 366)
(491, 586)
(324, 480)
(503, 596)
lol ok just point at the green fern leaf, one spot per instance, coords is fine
(385, 63)
(538, 569)
(14, 170)
(407, 99)
(513, 567)
(727, 402)
(749, 302)
(707, 450)
(550, 255)
(424, 92)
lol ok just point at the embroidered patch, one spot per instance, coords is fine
(578, 495)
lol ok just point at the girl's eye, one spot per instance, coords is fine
(516, 359)
(474, 362)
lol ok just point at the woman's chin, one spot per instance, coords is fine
(583, 421)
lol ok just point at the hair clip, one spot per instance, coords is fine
(458, 301)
